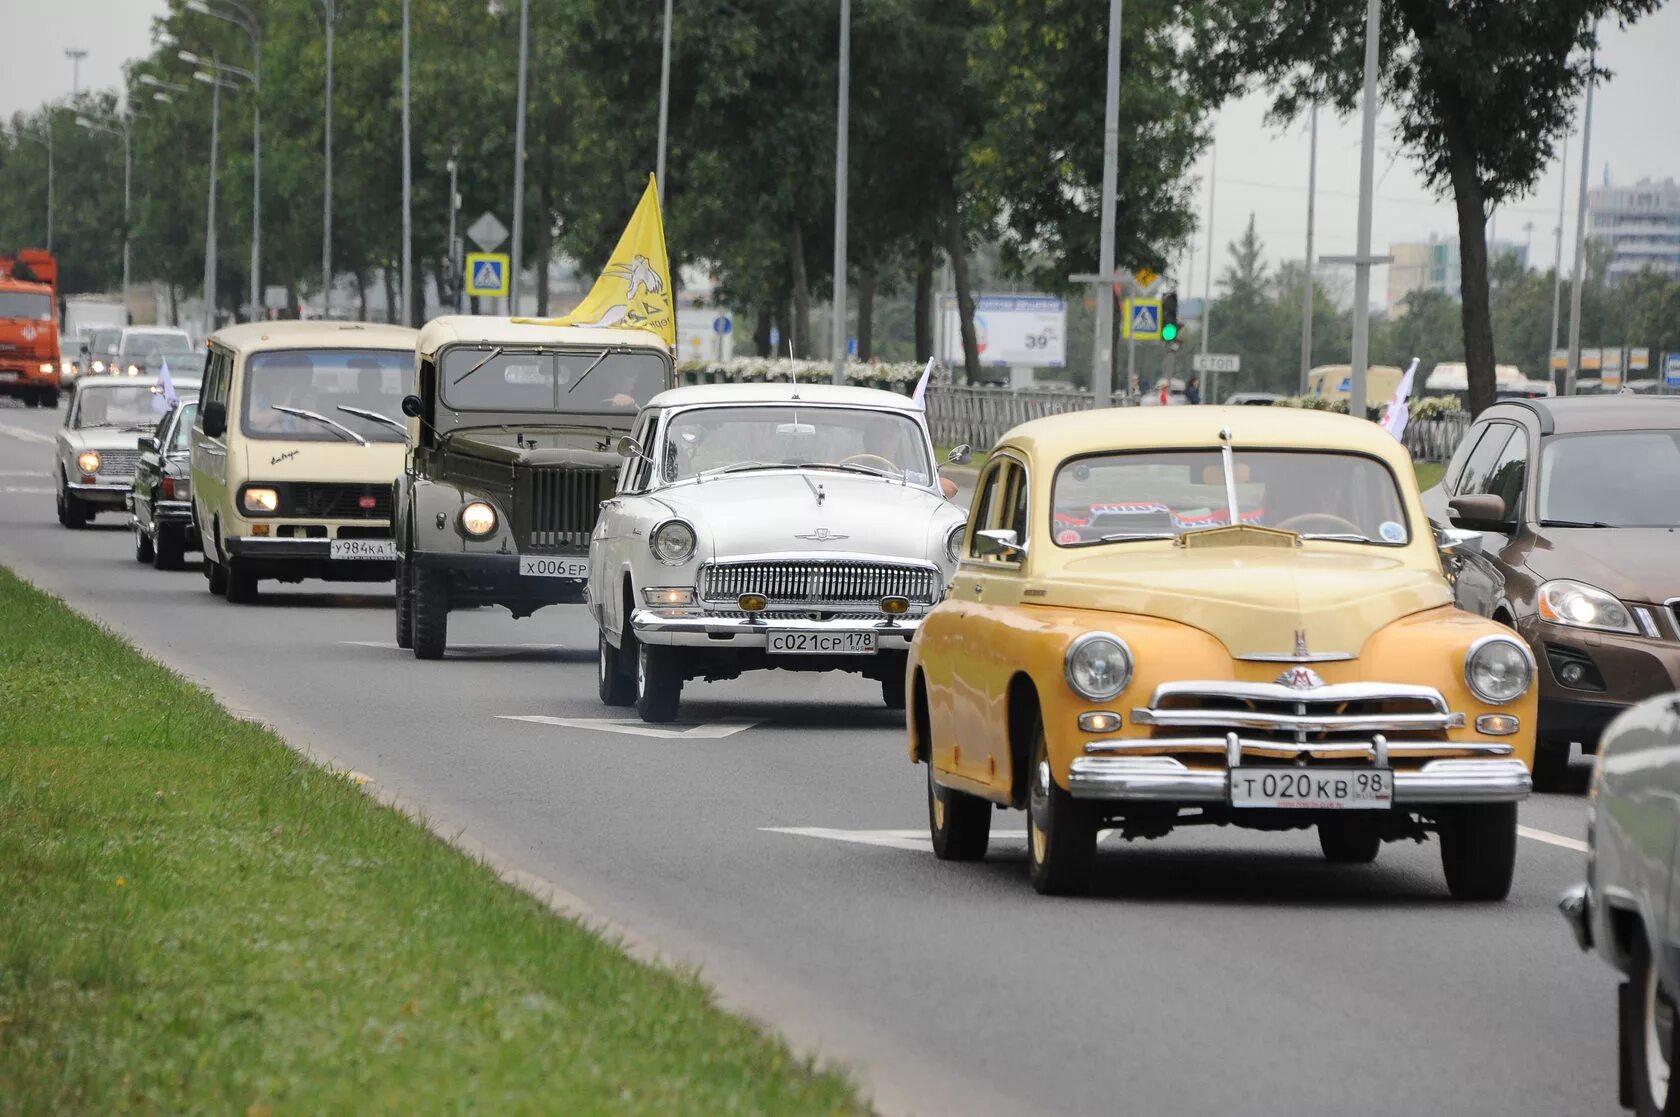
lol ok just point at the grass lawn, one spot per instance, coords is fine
(1429, 473)
(196, 920)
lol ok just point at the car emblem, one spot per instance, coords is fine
(1301, 643)
(28, 333)
(822, 535)
(1300, 678)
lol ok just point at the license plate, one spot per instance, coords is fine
(1313, 789)
(362, 549)
(536, 566)
(822, 643)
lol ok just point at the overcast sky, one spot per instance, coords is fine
(1259, 170)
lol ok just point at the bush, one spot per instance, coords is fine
(898, 376)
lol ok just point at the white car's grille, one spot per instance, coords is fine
(118, 463)
(820, 582)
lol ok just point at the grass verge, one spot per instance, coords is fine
(1429, 473)
(197, 920)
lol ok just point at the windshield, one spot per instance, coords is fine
(142, 348)
(497, 379)
(1115, 497)
(125, 406)
(866, 440)
(1613, 479)
(323, 382)
(26, 304)
(103, 343)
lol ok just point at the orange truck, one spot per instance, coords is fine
(29, 356)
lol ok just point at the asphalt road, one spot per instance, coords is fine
(782, 848)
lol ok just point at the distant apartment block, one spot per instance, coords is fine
(1640, 223)
(1433, 265)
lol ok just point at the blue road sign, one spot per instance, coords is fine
(487, 273)
(722, 324)
(775, 337)
(1671, 370)
(851, 347)
(1143, 319)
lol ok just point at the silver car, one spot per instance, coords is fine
(98, 446)
(1628, 910)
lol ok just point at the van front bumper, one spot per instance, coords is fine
(1164, 779)
(293, 559)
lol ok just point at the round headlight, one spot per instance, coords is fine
(99, 366)
(1498, 669)
(478, 519)
(953, 542)
(87, 461)
(1098, 666)
(672, 542)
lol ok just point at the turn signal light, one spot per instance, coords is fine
(895, 606)
(259, 529)
(753, 602)
(1099, 721)
(1497, 725)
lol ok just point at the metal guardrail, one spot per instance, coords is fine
(1434, 440)
(980, 416)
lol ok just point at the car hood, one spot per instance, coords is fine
(1634, 563)
(104, 438)
(276, 460)
(1255, 600)
(762, 513)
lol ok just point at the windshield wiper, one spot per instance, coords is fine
(375, 416)
(849, 468)
(488, 357)
(741, 466)
(1574, 523)
(322, 419)
(588, 370)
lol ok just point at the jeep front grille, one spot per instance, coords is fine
(803, 584)
(562, 508)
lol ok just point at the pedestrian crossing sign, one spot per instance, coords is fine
(1143, 319)
(487, 273)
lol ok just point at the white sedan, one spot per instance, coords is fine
(99, 444)
(768, 525)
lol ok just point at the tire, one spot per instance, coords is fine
(169, 548)
(1347, 841)
(215, 575)
(1061, 831)
(614, 686)
(49, 399)
(1647, 1028)
(72, 513)
(32, 400)
(659, 683)
(429, 612)
(405, 608)
(1479, 850)
(960, 824)
(1551, 763)
(241, 586)
(142, 546)
(892, 690)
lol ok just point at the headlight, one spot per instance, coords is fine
(261, 500)
(46, 368)
(1582, 606)
(672, 542)
(1098, 666)
(1498, 669)
(87, 461)
(953, 542)
(478, 519)
(99, 366)
(134, 370)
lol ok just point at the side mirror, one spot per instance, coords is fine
(412, 407)
(214, 417)
(86, 349)
(148, 444)
(628, 447)
(1479, 512)
(1457, 542)
(959, 455)
(999, 541)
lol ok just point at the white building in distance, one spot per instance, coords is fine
(1640, 223)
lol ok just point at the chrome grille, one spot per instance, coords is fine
(118, 463)
(789, 583)
(562, 508)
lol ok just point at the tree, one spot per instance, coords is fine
(1483, 90)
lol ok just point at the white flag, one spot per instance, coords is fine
(920, 394)
(163, 396)
(1400, 407)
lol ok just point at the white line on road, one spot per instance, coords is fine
(24, 473)
(1552, 839)
(919, 840)
(27, 491)
(710, 731)
(466, 651)
(23, 434)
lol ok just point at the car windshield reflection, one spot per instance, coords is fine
(710, 440)
(1578, 486)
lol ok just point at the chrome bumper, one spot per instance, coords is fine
(1163, 779)
(738, 632)
(1576, 908)
(103, 492)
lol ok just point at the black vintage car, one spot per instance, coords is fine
(513, 437)
(160, 502)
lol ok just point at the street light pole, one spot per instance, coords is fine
(407, 186)
(329, 12)
(75, 55)
(245, 19)
(1557, 257)
(210, 210)
(843, 125)
(1574, 367)
(1207, 275)
(1102, 348)
(1307, 296)
(454, 167)
(519, 160)
(1362, 266)
(664, 105)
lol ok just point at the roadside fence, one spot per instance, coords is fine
(980, 416)
(1434, 440)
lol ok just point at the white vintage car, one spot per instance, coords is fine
(768, 525)
(99, 444)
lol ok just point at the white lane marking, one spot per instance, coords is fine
(27, 491)
(466, 651)
(710, 731)
(24, 473)
(24, 434)
(1552, 839)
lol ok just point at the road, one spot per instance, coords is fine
(782, 848)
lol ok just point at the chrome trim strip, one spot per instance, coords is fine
(1287, 750)
(1299, 723)
(1164, 779)
(1274, 692)
(1290, 657)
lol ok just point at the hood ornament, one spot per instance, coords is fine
(1301, 644)
(1300, 678)
(822, 535)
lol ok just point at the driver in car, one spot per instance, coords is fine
(279, 386)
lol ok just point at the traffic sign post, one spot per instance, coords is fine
(1671, 370)
(487, 232)
(487, 274)
(1216, 362)
(1143, 319)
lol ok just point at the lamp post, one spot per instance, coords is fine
(126, 131)
(518, 262)
(1573, 368)
(664, 104)
(329, 13)
(242, 17)
(407, 185)
(843, 125)
(75, 55)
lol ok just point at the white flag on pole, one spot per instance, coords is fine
(919, 395)
(165, 398)
(1399, 408)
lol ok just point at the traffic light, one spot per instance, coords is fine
(1169, 318)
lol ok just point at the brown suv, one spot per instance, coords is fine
(1579, 502)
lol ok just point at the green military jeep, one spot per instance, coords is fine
(512, 442)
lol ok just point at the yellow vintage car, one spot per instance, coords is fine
(1216, 615)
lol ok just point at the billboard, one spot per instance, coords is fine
(1009, 330)
(699, 337)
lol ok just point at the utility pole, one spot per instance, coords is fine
(519, 162)
(408, 189)
(454, 269)
(1102, 349)
(841, 129)
(329, 12)
(1308, 293)
(75, 55)
(1573, 369)
(1363, 261)
(1207, 277)
(664, 105)
(1557, 258)
(210, 209)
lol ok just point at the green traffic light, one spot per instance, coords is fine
(1169, 331)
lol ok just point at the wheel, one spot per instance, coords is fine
(961, 825)
(658, 683)
(1647, 1031)
(142, 546)
(72, 513)
(1061, 832)
(615, 686)
(215, 574)
(405, 608)
(1479, 850)
(1551, 763)
(428, 612)
(49, 399)
(892, 690)
(1347, 841)
(169, 548)
(32, 400)
(241, 585)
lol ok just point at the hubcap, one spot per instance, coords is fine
(1659, 1035)
(641, 670)
(1038, 805)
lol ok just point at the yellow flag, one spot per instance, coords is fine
(634, 291)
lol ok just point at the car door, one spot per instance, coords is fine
(209, 454)
(1498, 466)
(997, 609)
(148, 471)
(622, 514)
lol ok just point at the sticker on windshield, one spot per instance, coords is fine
(1392, 532)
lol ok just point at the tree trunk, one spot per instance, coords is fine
(361, 294)
(390, 296)
(924, 302)
(174, 305)
(761, 332)
(965, 297)
(801, 325)
(866, 309)
(417, 309)
(1473, 264)
(545, 248)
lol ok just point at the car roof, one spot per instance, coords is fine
(783, 393)
(315, 334)
(482, 329)
(1580, 414)
(116, 381)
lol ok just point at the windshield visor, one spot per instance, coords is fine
(720, 438)
(485, 379)
(124, 406)
(325, 382)
(1614, 479)
(1115, 498)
